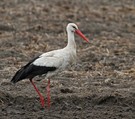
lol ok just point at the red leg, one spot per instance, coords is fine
(48, 93)
(41, 97)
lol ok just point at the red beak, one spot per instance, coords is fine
(81, 35)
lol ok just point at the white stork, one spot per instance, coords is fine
(50, 63)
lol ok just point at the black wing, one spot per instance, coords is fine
(30, 71)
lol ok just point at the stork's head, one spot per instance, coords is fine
(74, 28)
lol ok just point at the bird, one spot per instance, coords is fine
(51, 63)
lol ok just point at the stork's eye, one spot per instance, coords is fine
(74, 27)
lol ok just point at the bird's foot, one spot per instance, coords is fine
(42, 101)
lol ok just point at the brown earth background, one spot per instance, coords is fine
(102, 83)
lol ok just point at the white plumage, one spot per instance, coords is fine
(57, 58)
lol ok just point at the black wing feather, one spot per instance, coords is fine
(30, 71)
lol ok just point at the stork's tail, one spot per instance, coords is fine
(19, 75)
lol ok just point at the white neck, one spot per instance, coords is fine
(71, 40)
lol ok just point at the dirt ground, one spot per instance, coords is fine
(102, 83)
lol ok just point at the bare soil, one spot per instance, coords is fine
(102, 83)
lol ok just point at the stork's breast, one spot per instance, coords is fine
(73, 58)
